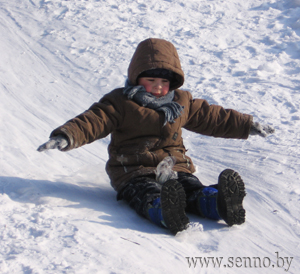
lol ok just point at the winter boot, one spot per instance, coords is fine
(207, 203)
(168, 210)
(223, 201)
(231, 192)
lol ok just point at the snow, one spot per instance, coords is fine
(59, 213)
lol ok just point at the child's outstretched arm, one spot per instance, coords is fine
(93, 124)
(261, 130)
(214, 120)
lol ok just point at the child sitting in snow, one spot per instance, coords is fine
(145, 119)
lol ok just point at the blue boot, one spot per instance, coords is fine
(224, 203)
(168, 210)
(230, 198)
(207, 203)
(155, 213)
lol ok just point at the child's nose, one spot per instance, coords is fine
(159, 84)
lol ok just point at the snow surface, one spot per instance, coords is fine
(59, 213)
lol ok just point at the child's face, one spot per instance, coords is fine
(156, 86)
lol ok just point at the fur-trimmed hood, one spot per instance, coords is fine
(155, 53)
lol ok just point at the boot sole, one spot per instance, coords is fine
(231, 192)
(173, 203)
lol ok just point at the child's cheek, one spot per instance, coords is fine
(165, 90)
(147, 87)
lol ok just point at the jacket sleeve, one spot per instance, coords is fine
(214, 120)
(95, 123)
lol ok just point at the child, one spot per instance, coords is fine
(145, 119)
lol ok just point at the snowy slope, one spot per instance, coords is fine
(58, 211)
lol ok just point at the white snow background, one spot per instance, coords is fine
(58, 212)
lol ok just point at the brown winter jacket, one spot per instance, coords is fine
(139, 141)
